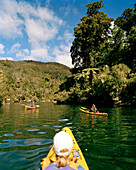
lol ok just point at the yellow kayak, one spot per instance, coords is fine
(76, 156)
(31, 107)
(85, 110)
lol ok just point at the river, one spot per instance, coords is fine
(107, 142)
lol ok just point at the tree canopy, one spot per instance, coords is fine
(127, 20)
(91, 36)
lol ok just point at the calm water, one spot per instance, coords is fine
(106, 142)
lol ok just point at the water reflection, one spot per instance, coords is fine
(32, 112)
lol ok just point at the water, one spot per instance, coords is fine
(106, 142)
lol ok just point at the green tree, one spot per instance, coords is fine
(127, 19)
(127, 22)
(111, 82)
(131, 90)
(116, 47)
(91, 35)
(130, 49)
(2, 86)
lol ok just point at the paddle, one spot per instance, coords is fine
(83, 107)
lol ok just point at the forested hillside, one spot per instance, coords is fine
(30, 80)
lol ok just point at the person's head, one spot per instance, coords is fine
(62, 144)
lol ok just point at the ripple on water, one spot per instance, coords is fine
(63, 120)
(46, 125)
(57, 126)
(69, 123)
(20, 159)
(33, 130)
(19, 133)
(9, 134)
(70, 127)
(25, 142)
(41, 133)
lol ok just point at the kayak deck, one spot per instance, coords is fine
(76, 156)
(85, 110)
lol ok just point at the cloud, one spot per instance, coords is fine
(35, 54)
(15, 48)
(24, 54)
(10, 24)
(2, 49)
(62, 52)
(63, 56)
(65, 10)
(26, 51)
(39, 26)
(38, 22)
(39, 32)
(41, 53)
(6, 58)
(69, 9)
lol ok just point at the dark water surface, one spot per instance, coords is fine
(106, 142)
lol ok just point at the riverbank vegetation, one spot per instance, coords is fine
(30, 80)
(104, 59)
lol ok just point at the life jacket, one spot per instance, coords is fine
(47, 161)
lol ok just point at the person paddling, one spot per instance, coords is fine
(62, 145)
(94, 109)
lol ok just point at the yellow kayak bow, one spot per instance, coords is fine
(76, 156)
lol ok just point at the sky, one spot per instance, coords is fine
(42, 30)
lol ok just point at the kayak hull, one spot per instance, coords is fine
(31, 107)
(74, 161)
(93, 113)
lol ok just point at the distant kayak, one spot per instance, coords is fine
(85, 110)
(31, 107)
(76, 155)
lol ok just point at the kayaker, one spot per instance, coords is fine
(30, 105)
(62, 144)
(94, 109)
